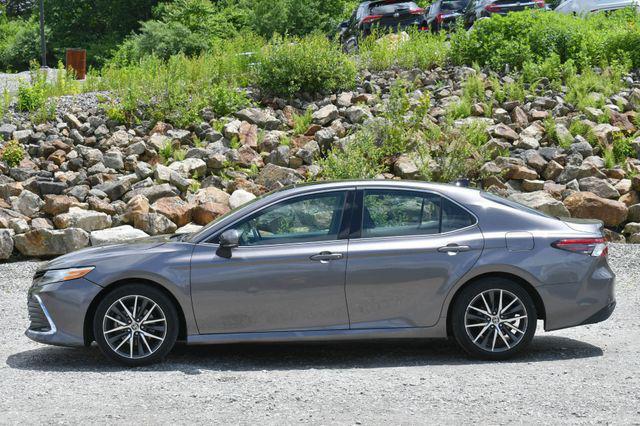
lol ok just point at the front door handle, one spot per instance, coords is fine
(326, 256)
(453, 249)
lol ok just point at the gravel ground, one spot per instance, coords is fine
(588, 374)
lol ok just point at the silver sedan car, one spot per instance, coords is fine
(334, 261)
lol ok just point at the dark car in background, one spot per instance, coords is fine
(443, 14)
(384, 16)
(478, 9)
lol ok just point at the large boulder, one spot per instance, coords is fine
(274, 177)
(116, 235)
(587, 205)
(175, 208)
(27, 203)
(600, 187)
(542, 201)
(151, 193)
(46, 242)
(210, 194)
(57, 204)
(154, 224)
(189, 167)
(87, 220)
(202, 214)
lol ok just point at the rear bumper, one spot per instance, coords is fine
(589, 301)
(58, 312)
(602, 315)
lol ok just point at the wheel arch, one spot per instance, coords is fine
(88, 319)
(528, 287)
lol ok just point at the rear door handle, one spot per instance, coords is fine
(453, 248)
(326, 256)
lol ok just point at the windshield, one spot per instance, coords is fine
(512, 204)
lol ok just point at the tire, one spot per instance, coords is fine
(498, 336)
(136, 343)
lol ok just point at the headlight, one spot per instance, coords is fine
(58, 275)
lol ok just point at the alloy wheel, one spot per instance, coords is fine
(496, 320)
(134, 326)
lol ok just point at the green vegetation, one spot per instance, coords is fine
(13, 153)
(313, 64)
(421, 50)
(302, 122)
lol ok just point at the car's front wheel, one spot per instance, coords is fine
(135, 325)
(494, 318)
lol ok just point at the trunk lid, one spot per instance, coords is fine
(591, 226)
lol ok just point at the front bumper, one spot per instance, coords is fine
(57, 311)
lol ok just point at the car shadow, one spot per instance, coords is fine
(252, 357)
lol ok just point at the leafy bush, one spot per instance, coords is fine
(313, 64)
(534, 37)
(31, 96)
(19, 43)
(13, 153)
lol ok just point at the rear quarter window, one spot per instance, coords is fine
(384, 9)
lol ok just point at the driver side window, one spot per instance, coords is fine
(315, 217)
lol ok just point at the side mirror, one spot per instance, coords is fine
(229, 239)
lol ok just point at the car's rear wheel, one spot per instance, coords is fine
(494, 318)
(136, 324)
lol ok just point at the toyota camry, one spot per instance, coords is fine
(334, 261)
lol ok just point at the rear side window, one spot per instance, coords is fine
(388, 213)
(385, 9)
(455, 217)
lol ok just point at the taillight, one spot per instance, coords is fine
(440, 18)
(492, 8)
(418, 11)
(590, 246)
(370, 18)
(424, 28)
(539, 3)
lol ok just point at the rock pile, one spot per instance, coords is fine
(85, 180)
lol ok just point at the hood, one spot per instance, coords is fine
(91, 255)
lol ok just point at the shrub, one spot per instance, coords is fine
(13, 153)
(421, 50)
(312, 64)
(31, 97)
(19, 43)
(533, 37)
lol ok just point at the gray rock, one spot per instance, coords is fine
(116, 235)
(27, 203)
(152, 193)
(274, 177)
(405, 167)
(189, 167)
(583, 148)
(357, 114)
(113, 159)
(279, 156)
(87, 220)
(258, 117)
(115, 189)
(634, 213)
(6, 131)
(325, 115)
(541, 200)
(6, 244)
(600, 187)
(22, 136)
(154, 224)
(240, 197)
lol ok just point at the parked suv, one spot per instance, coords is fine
(443, 14)
(383, 15)
(478, 9)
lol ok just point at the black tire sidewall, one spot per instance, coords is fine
(463, 300)
(158, 296)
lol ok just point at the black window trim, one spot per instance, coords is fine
(357, 213)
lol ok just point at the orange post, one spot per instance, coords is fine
(77, 62)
